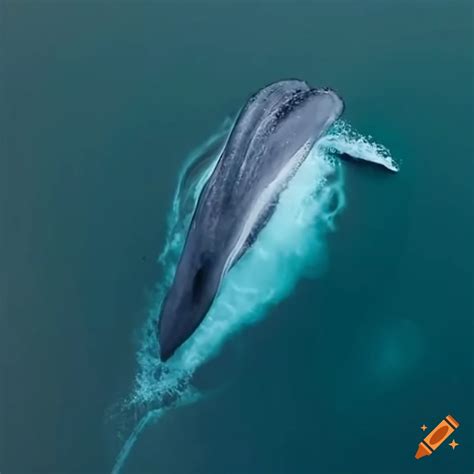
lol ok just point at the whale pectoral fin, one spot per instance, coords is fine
(375, 161)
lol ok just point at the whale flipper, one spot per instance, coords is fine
(388, 166)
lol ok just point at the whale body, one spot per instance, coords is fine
(271, 137)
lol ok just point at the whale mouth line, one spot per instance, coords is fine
(263, 202)
(290, 247)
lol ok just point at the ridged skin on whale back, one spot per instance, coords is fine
(271, 137)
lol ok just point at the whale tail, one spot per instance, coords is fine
(189, 298)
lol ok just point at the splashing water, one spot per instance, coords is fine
(289, 247)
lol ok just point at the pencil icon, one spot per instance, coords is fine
(436, 437)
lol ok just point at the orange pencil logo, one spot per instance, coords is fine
(437, 437)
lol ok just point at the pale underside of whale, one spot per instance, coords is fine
(271, 137)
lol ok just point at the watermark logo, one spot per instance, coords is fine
(437, 437)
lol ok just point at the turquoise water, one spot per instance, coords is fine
(102, 103)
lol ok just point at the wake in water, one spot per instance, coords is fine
(291, 246)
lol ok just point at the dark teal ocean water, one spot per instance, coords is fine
(100, 103)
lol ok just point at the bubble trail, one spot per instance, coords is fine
(291, 246)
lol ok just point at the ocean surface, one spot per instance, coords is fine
(367, 329)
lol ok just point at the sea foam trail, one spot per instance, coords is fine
(291, 246)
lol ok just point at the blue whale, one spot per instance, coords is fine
(270, 139)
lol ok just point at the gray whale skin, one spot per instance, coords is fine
(271, 137)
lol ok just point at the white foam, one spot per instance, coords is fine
(346, 140)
